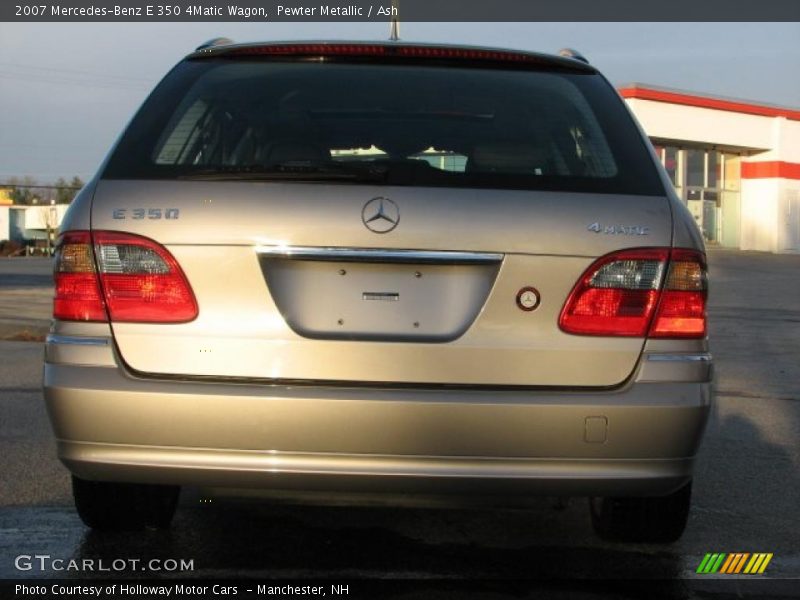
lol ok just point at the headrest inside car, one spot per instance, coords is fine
(294, 151)
(508, 157)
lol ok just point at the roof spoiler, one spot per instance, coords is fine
(212, 43)
(393, 50)
(573, 54)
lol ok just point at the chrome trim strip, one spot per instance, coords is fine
(378, 255)
(76, 340)
(704, 357)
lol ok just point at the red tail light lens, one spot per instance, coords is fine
(682, 310)
(309, 50)
(617, 295)
(140, 280)
(388, 50)
(77, 290)
(621, 295)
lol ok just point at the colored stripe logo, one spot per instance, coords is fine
(737, 563)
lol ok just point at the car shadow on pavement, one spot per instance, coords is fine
(477, 551)
(747, 488)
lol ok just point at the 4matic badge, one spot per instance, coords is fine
(619, 229)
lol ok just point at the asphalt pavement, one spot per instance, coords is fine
(746, 492)
(26, 297)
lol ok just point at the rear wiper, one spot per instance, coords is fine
(293, 170)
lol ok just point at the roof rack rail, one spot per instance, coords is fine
(218, 41)
(572, 53)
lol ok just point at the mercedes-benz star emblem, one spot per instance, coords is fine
(380, 215)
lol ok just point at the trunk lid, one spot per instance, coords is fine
(292, 284)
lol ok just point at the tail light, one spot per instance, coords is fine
(127, 277)
(77, 293)
(682, 310)
(652, 291)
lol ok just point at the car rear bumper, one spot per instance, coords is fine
(637, 440)
(373, 474)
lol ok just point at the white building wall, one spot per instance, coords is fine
(39, 217)
(789, 141)
(770, 207)
(5, 225)
(759, 214)
(789, 217)
(702, 125)
(777, 197)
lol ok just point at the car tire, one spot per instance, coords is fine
(111, 506)
(657, 519)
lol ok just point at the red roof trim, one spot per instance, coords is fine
(770, 169)
(706, 102)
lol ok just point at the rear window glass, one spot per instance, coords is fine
(402, 124)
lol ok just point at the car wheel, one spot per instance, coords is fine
(124, 506)
(659, 519)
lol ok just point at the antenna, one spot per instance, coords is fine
(394, 26)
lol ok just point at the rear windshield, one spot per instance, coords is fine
(398, 124)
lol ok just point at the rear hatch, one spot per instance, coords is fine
(378, 219)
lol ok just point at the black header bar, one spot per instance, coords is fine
(406, 11)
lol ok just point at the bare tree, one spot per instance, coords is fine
(20, 192)
(49, 218)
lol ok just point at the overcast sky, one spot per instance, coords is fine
(68, 89)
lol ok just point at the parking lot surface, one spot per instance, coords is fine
(746, 492)
(25, 297)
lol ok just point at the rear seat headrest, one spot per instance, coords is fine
(294, 151)
(508, 157)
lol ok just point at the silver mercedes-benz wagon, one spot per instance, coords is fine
(407, 271)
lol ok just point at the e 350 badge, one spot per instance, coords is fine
(137, 214)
